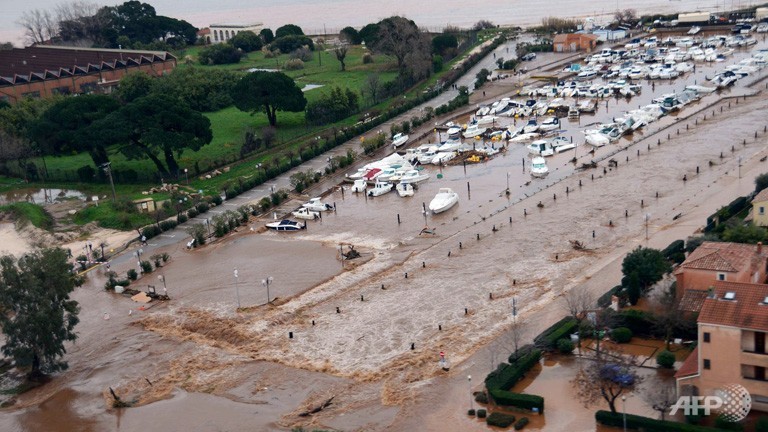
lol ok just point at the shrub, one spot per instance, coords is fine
(481, 397)
(481, 413)
(621, 335)
(565, 346)
(132, 274)
(86, 173)
(519, 400)
(293, 64)
(219, 54)
(367, 58)
(646, 424)
(291, 43)
(150, 231)
(549, 337)
(641, 323)
(471, 412)
(500, 420)
(216, 199)
(665, 359)
(202, 207)
(521, 423)
(675, 252)
(165, 257)
(192, 213)
(168, 225)
(303, 54)
(146, 267)
(180, 219)
(506, 375)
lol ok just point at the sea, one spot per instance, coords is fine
(329, 16)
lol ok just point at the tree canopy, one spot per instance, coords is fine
(219, 54)
(441, 44)
(402, 39)
(247, 41)
(642, 268)
(267, 35)
(350, 36)
(63, 127)
(38, 316)
(154, 125)
(268, 92)
(288, 30)
(370, 34)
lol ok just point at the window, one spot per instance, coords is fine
(706, 337)
(706, 364)
(721, 276)
(761, 210)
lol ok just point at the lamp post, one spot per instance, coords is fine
(471, 399)
(624, 409)
(237, 289)
(165, 288)
(186, 175)
(266, 282)
(107, 169)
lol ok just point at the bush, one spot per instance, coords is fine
(521, 423)
(500, 420)
(86, 173)
(565, 346)
(519, 400)
(219, 54)
(647, 424)
(293, 64)
(481, 413)
(549, 337)
(675, 252)
(168, 225)
(506, 375)
(216, 199)
(481, 397)
(132, 274)
(150, 231)
(471, 412)
(180, 219)
(146, 267)
(202, 207)
(291, 43)
(192, 213)
(621, 335)
(665, 359)
(367, 58)
(641, 323)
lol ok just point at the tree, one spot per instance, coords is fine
(291, 43)
(761, 182)
(288, 30)
(350, 35)
(372, 88)
(333, 106)
(443, 44)
(64, 127)
(39, 26)
(38, 316)
(266, 35)
(369, 34)
(644, 267)
(401, 38)
(268, 92)
(152, 125)
(661, 397)
(78, 20)
(606, 379)
(203, 89)
(482, 77)
(577, 302)
(247, 41)
(748, 233)
(135, 85)
(341, 54)
(669, 319)
(219, 54)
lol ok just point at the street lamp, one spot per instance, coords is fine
(471, 399)
(165, 288)
(266, 282)
(624, 409)
(237, 289)
(186, 175)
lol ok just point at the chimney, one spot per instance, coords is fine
(759, 247)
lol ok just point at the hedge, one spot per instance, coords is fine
(647, 424)
(500, 419)
(561, 329)
(521, 423)
(641, 323)
(675, 252)
(519, 400)
(507, 375)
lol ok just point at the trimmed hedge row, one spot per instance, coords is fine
(507, 375)
(519, 400)
(561, 329)
(500, 419)
(647, 424)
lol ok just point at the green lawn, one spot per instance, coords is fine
(28, 212)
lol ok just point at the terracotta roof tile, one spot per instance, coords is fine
(692, 300)
(725, 257)
(747, 310)
(690, 365)
(761, 196)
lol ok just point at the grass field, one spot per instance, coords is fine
(27, 212)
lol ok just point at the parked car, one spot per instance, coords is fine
(529, 57)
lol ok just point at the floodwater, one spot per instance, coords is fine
(41, 196)
(372, 348)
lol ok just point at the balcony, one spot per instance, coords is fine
(755, 359)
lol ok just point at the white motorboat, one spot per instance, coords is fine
(484, 110)
(286, 225)
(449, 146)
(700, 89)
(399, 140)
(541, 148)
(386, 174)
(380, 188)
(531, 126)
(404, 190)
(454, 132)
(474, 131)
(486, 119)
(445, 199)
(539, 167)
(573, 112)
(443, 157)
(359, 186)
(316, 204)
(596, 139)
(549, 124)
(525, 137)
(305, 213)
(413, 177)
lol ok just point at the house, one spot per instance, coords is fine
(721, 261)
(760, 209)
(731, 349)
(609, 35)
(572, 42)
(43, 71)
(218, 33)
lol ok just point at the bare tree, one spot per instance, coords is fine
(78, 20)
(669, 318)
(372, 88)
(661, 397)
(402, 39)
(506, 344)
(606, 378)
(341, 54)
(39, 26)
(577, 302)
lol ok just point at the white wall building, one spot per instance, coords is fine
(223, 32)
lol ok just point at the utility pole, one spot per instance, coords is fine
(107, 169)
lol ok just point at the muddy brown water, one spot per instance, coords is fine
(365, 349)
